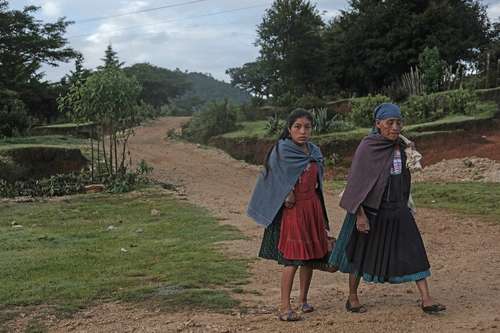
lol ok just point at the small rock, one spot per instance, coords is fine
(155, 212)
(139, 231)
(111, 227)
(409, 291)
(124, 250)
(17, 226)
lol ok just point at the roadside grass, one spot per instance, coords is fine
(45, 141)
(74, 252)
(469, 198)
(249, 129)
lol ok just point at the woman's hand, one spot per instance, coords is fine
(290, 200)
(362, 221)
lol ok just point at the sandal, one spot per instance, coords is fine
(433, 309)
(356, 309)
(289, 315)
(306, 308)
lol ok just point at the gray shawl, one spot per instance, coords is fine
(273, 186)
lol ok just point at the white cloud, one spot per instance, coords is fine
(51, 9)
(494, 12)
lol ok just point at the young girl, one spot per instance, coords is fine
(288, 201)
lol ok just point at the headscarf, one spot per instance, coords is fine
(385, 111)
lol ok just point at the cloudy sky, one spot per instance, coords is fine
(206, 36)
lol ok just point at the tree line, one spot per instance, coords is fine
(367, 47)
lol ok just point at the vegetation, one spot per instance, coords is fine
(109, 99)
(367, 47)
(217, 118)
(145, 245)
(27, 43)
(472, 198)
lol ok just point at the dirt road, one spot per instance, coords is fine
(464, 255)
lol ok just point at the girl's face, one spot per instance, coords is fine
(390, 128)
(301, 131)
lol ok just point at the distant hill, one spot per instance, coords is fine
(207, 88)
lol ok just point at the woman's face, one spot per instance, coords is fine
(390, 128)
(301, 130)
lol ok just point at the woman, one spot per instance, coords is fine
(379, 240)
(288, 201)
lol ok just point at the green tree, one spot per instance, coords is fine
(110, 58)
(290, 43)
(25, 44)
(160, 85)
(252, 77)
(372, 43)
(432, 68)
(108, 98)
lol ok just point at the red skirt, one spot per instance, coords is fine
(303, 234)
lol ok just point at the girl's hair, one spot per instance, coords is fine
(292, 117)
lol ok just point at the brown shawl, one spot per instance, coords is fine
(369, 173)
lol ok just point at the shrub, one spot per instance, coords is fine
(274, 125)
(362, 109)
(461, 101)
(310, 102)
(422, 108)
(217, 118)
(434, 106)
(14, 119)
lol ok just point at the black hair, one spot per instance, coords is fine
(292, 117)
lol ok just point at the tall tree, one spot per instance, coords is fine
(110, 58)
(252, 77)
(290, 43)
(27, 43)
(375, 42)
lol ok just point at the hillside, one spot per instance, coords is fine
(206, 88)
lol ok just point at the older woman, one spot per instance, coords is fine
(379, 240)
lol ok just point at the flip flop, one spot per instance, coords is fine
(289, 315)
(356, 309)
(306, 308)
(433, 309)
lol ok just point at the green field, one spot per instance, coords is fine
(469, 198)
(71, 253)
(44, 141)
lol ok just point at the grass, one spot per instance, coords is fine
(250, 129)
(470, 198)
(67, 256)
(67, 125)
(42, 141)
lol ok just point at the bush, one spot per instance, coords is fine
(14, 119)
(217, 118)
(275, 125)
(310, 102)
(434, 106)
(422, 108)
(362, 109)
(461, 101)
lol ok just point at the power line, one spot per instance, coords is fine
(100, 18)
(172, 20)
